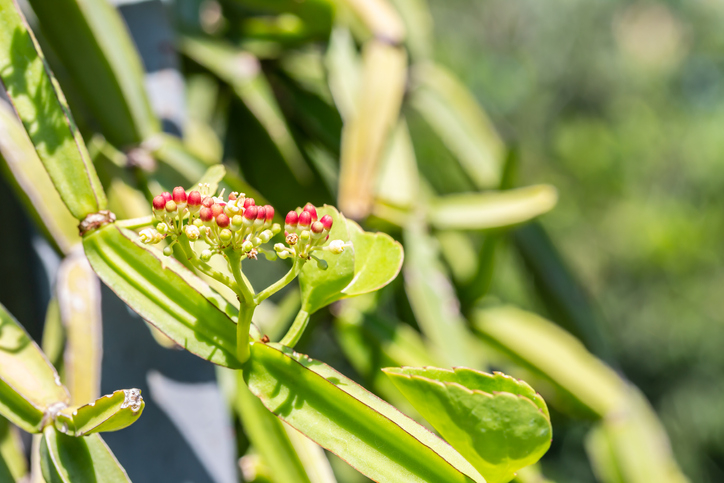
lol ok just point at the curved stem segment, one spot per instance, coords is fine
(296, 330)
(298, 263)
(204, 267)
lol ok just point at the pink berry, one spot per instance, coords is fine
(205, 214)
(249, 202)
(250, 212)
(317, 227)
(222, 220)
(232, 196)
(292, 218)
(208, 202)
(261, 213)
(194, 198)
(269, 212)
(179, 195)
(167, 196)
(159, 202)
(309, 208)
(217, 209)
(326, 220)
(305, 218)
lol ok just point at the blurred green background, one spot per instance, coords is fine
(617, 104)
(620, 105)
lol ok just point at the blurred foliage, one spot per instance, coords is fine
(616, 104)
(620, 106)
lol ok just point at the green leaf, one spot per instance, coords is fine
(42, 108)
(27, 176)
(108, 413)
(499, 424)
(29, 385)
(344, 418)
(574, 372)
(79, 300)
(493, 209)
(65, 459)
(165, 293)
(95, 47)
(322, 287)
(377, 260)
(365, 134)
(13, 467)
(455, 115)
(266, 433)
(631, 446)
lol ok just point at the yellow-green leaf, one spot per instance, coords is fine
(42, 108)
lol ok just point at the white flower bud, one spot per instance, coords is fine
(336, 246)
(192, 231)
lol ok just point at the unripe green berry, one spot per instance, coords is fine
(276, 228)
(162, 228)
(305, 235)
(256, 241)
(168, 251)
(206, 255)
(225, 235)
(265, 236)
(198, 223)
(247, 246)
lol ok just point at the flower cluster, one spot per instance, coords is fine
(235, 223)
(305, 232)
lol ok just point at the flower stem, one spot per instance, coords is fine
(296, 330)
(246, 309)
(297, 265)
(203, 267)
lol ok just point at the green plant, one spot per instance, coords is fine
(374, 106)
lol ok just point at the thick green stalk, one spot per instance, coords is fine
(246, 310)
(296, 330)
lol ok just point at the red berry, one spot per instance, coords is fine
(269, 212)
(292, 218)
(159, 202)
(309, 208)
(317, 227)
(205, 214)
(222, 220)
(305, 218)
(194, 198)
(327, 222)
(250, 213)
(261, 213)
(249, 202)
(217, 209)
(167, 196)
(179, 195)
(208, 202)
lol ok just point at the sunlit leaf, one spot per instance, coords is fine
(37, 99)
(499, 424)
(344, 418)
(65, 459)
(79, 299)
(96, 49)
(29, 385)
(165, 293)
(26, 174)
(377, 260)
(478, 211)
(108, 413)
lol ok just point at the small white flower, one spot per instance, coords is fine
(192, 231)
(336, 246)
